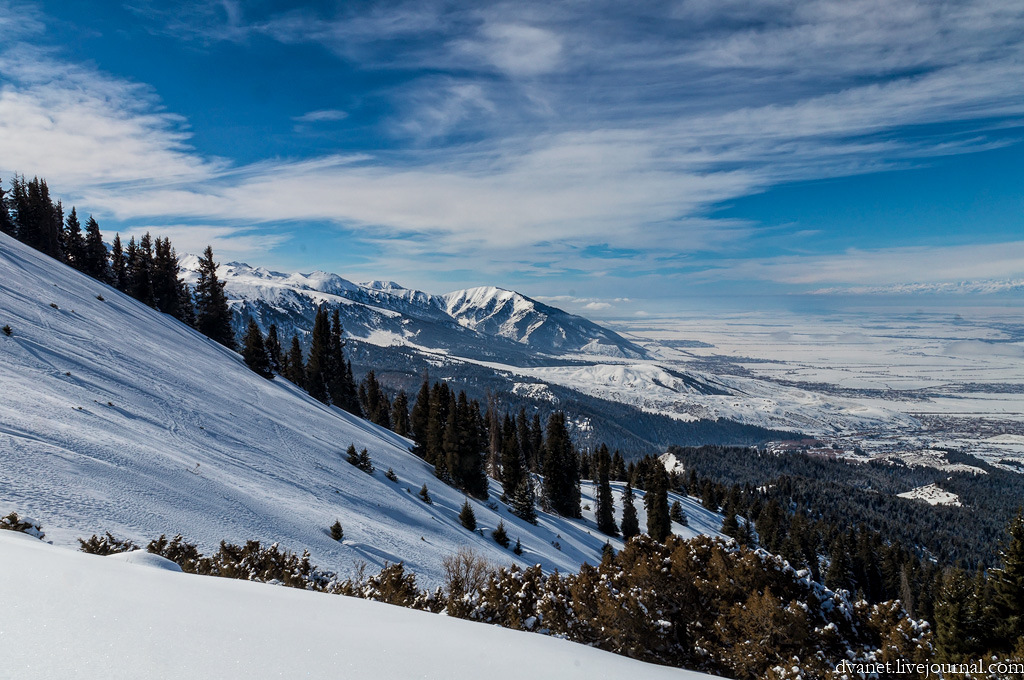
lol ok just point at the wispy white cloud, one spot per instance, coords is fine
(321, 116)
(885, 266)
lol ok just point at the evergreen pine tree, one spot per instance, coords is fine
(213, 316)
(352, 456)
(337, 533)
(561, 469)
(140, 270)
(274, 349)
(730, 527)
(295, 369)
(95, 253)
(605, 500)
(951, 618)
(838, 574)
(400, 414)
(659, 525)
(425, 495)
(420, 418)
(1008, 583)
(467, 517)
(254, 351)
(166, 278)
(500, 535)
(365, 464)
(118, 265)
(337, 372)
(513, 466)
(630, 526)
(618, 467)
(74, 244)
(518, 550)
(376, 405)
(319, 357)
(677, 514)
(6, 223)
(522, 501)
(440, 398)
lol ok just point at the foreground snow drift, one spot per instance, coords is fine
(72, 615)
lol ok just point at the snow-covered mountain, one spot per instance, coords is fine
(116, 417)
(484, 322)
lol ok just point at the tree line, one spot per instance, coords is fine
(146, 269)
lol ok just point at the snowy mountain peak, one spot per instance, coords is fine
(486, 320)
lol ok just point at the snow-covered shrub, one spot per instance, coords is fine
(106, 544)
(25, 525)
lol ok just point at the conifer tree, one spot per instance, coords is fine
(420, 418)
(951, 618)
(352, 456)
(677, 514)
(512, 462)
(166, 279)
(522, 501)
(337, 372)
(140, 270)
(1009, 584)
(400, 414)
(365, 464)
(118, 265)
(254, 351)
(659, 525)
(6, 223)
(500, 535)
(618, 473)
(375, 404)
(440, 398)
(296, 368)
(561, 469)
(536, 443)
(337, 533)
(838, 574)
(630, 524)
(467, 517)
(605, 501)
(95, 253)
(730, 527)
(425, 495)
(274, 349)
(74, 244)
(213, 316)
(319, 357)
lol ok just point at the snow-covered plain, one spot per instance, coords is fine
(72, 615)
(880, 379)
(114, 417)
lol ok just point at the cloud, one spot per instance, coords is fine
(516, 49)
(321, 116)
(885, 266)
(96, 129)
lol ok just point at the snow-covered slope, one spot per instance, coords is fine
(84, 616)
(485, 321)
(116, 417)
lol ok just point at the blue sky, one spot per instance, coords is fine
(609, 157)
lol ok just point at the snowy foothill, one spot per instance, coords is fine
(71, 615)
(118, 418)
